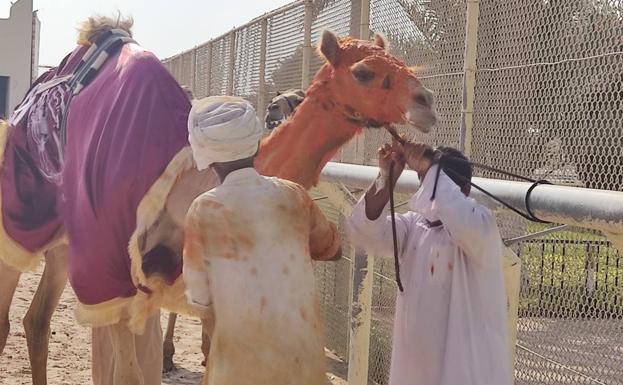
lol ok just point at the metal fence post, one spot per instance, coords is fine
(360, 303)
(261, 90)
(232, 62)
(209, 69)
(364, 33)
(193, 73)
(469, 75)
(307, 46)
(364, 26)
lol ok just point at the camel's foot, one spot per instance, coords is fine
(5, 327)
(167, 364)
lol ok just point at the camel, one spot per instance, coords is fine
(278, 110)
(334, 111)
(282, 106)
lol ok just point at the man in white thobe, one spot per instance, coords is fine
(450, 322)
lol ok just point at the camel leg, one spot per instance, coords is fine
(39, 315)
(168, 346)
(126, 370)
(9, 278)
(207, 328)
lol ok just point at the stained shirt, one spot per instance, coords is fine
(248, 250)
(450, 321)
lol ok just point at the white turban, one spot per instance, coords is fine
(223, 129)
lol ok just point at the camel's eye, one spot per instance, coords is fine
(362, 73)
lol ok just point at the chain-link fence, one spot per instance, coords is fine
(547, 103)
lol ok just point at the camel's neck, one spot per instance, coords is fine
(300, 148)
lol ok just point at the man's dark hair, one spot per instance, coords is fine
(457, 166)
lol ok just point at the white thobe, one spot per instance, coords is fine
(450, 322)
(248, 251)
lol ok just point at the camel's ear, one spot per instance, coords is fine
(329, 47)
(278, 93)
(381, 41)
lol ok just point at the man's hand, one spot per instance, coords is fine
(388, 154)
(416, 157)
(377, 195)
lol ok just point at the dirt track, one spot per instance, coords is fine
(70, 349)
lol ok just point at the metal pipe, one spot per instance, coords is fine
(307, 45)
(528, 237)
(469, 75)
(595, 209)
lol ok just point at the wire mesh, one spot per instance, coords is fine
(570, 309)
(219, 65)
(202, 71)
(284, 51)
(431, 36)
(333, 285)
(336, 16)
(247, 62)
(548, 104)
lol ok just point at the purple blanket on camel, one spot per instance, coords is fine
(122, 131)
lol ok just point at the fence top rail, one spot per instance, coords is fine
(267, 15)
(588, 208)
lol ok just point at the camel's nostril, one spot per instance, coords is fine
(424, 98)
(421, 100)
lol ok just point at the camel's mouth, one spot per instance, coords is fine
(419, 127)
(422, 119)
(271, 124)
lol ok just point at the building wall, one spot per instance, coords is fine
(16, 46)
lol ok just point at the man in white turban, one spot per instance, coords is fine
(247, 253)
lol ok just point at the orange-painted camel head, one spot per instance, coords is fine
(364, 77)
(359, 85)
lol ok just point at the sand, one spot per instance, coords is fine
(70, 347)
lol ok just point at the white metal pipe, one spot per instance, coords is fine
(528, 237)
(469, 75)
(594, 209)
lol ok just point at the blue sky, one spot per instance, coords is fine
(162, 26)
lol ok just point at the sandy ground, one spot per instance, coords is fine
(70, 348)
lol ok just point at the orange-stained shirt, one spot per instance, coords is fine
(248, 249)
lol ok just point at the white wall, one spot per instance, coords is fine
(16, 54)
